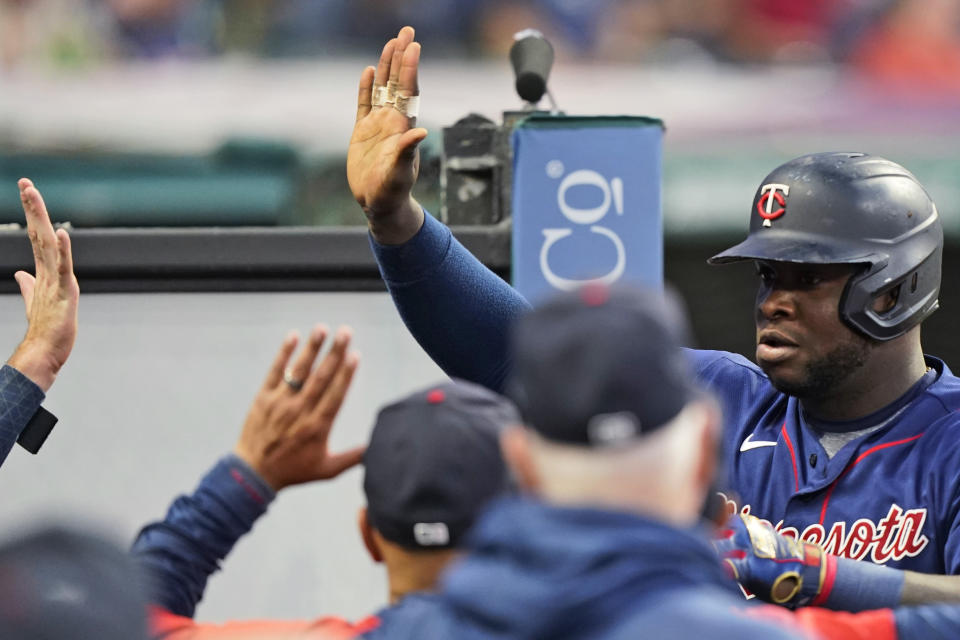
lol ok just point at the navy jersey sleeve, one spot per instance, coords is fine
(744, 393)
(20, 398)
(179, 554)
(730, 376)
(457, 309)
(737, 383)
(943, 481)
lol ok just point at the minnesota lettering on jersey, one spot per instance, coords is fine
(897, 535)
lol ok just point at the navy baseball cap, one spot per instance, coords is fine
(600, 366)
(58, 582)
(433, 463)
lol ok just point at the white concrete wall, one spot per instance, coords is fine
(157, 389)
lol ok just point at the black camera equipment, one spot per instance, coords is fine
(476, 164)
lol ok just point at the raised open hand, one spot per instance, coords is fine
(50, 298)
(285, 435)
(382, 160)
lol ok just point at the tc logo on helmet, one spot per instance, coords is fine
(769, 194)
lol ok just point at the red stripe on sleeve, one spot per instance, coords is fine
(253, 493)
(828, 580)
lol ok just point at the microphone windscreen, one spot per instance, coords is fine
(532, 57)
(531, 86)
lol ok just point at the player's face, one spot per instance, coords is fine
(802, 345)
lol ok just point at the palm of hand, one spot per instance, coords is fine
(50, 298)
(52, 318)
(381, 167)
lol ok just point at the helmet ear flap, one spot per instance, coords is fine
(916, 297)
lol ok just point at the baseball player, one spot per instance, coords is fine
(843, 433)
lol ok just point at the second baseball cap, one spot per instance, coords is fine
(433, 462)
(600, 366)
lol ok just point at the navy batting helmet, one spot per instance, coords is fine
(852, 208)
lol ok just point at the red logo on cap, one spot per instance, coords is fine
(771, 193)
(594, 294)
(436, 396)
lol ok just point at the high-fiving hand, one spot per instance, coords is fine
(285, 436)
(50, 297)
(382, 160)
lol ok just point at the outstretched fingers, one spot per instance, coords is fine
(365, 92)
(65, 261)
(407, 144)
(332, 400)
(275, 373)
(300, 369)
(407, 75)
(42, 237)
(326, 411)
(404, 39)
(337, 463)
(408, 83)
(26, 283)
(317, 384)
(386, 58)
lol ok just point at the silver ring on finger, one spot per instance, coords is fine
(292, 382)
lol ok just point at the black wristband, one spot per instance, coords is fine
(35, 433)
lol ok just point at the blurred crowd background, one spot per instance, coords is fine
(911, 45)
(238, 111)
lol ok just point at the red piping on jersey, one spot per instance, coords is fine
(826, 499)
(793, 454)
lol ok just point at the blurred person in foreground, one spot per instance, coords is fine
(432, 463)
(62, 583)
(50, 298)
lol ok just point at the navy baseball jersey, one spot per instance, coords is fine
(891, 496)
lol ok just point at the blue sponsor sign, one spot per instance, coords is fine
(586, 203)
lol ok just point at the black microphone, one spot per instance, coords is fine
(531, 56)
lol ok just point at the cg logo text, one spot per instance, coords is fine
(612, 193)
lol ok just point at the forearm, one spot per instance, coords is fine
(457, 309)
(851, 585)
(874, 587)
(35, 363)
(180, 553)
(922, 588)
(20, 398)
